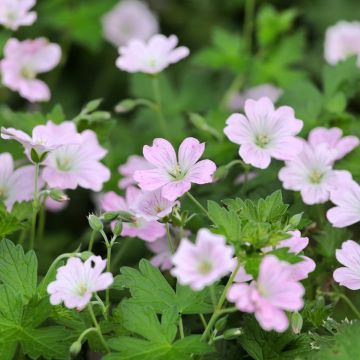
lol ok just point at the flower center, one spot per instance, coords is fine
(205, 266)
(262, 140)
(64, 163)
(82, 289)
(177, 173)
(152, 62)
(316, 177)
(28, 73)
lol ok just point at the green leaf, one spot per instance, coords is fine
(17, 269)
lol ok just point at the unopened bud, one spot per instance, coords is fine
(75, 348)
(233, 333)
(110, 215)
(221, 173)
(221, 323)
(58, 195)
(117, 228)
(296, 322)
(95, 223)
(125, 216)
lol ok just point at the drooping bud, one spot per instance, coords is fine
(95, 223)
(233, 333)
(117, 228)
(75, 348)
(58, 195)
(296, 322)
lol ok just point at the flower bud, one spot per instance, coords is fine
(125, 216)
(85, 255)
(75, 348)
(117, 228)
(221, 173)
(221, 323)
(95, 223)
(233, 333)
(296, 322)
(110, 215)
(58, 195)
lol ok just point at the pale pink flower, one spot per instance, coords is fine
(312, 174)
(73, 165)
(141, 228)
(77, 281)
(150, 57)
(23, 61)
(151, 205)
(204, 262)
(341, 41)
(162, 254)
(270, 296)
(127, 170)
(296, 243)
(127, 20)
(173, 174)
(347, 200)
(265, 132)
(237, 101)
(349, 256)
(44, 138)
(334, 140)
(15, 185)
(242, 276)
(16, 13)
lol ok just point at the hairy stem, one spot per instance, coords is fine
(159, 112)
(169, 238)
(97, 326)
(35, 206)
(203, 210)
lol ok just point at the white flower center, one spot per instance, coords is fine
(316, 176)
(82, 289)
(64, 163)
(177, 173)
(262, 140)
(28, 73)
(205, 266)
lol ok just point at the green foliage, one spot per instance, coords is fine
(148, 287)
(155, 340)
(263, 345)
(22, 312)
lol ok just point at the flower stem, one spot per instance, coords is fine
(350, 304)
(92, 239)
(35, 206)
(197, 204)
(119, 254)
(160, 114)
(202, 318)
(170, 242)
(181, 327)
(42, 220)
(218, 309)
(249, 23)
(97, 326)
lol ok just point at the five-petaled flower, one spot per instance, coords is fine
(274, 292)
(173, 174)
(264, 132)
(23, 61)
(127, 170)
(151, 57)
(77, 281)
(204, 262)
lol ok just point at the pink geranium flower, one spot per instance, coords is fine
(44, 138)
(265, 132)
(296, 243)
(73, 165)
(16, 13)
(15, 185)
(141, 228)
(312, 174)
(237, 101)
(162, 254)
(334, 140)
(151, 205)
(129, 19)
(151, 57)
(23, 61)
(341, 41)
(349, 256)
(173, 174)
(127, 170)
(204, 262)
(274, 292)
(76, 282)
(347, 200)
